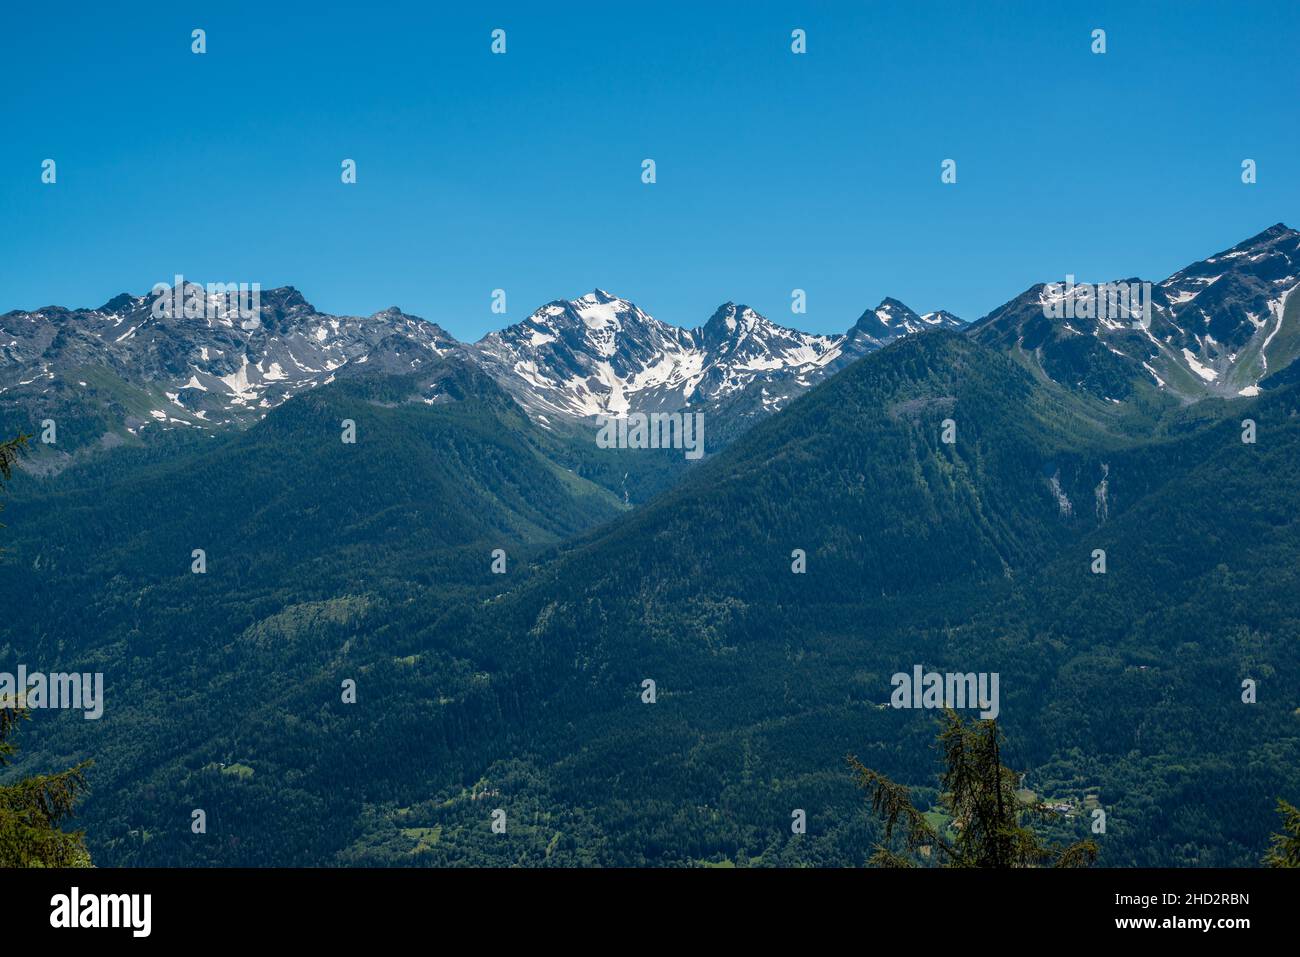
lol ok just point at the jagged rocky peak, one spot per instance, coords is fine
(602, 354)
(119, 303)
(218, 362)
(893, 319)
(893, 314)
(730, 319)
(1209, 329)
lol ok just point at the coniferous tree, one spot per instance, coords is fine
(31, 808)
(979, 793)
(1284, 849)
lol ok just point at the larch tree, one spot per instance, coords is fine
(1284, 849)
(979, 793)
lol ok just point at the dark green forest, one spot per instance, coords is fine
(476, 691)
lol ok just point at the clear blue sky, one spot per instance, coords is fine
(522, 171)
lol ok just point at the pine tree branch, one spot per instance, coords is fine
(893, 803)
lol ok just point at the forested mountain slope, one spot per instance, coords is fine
(524, 692)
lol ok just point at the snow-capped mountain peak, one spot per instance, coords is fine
(199, 370)
(582, 357)
(1211, 328)
(891, 320)
(596, 354)
(600, 354)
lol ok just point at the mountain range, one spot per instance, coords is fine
(1218, 327)
(128, 370)
(500, 589)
